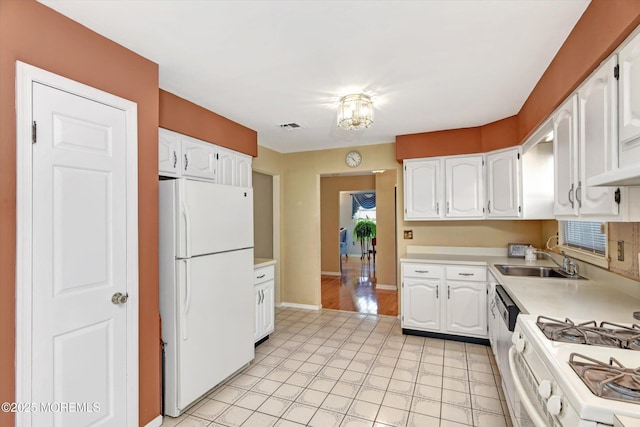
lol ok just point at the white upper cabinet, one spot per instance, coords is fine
(565, 150)
(629, 117)
(585, 146)
(199, 159)
(243, 170)
(422, 189)
(597, 136)
(182, 156)
(168, 152)
(503, 184)
(464, 187)
(226, 167)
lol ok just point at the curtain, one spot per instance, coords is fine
(366, 200)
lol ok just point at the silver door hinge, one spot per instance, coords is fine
(403, 317)
(34, 132)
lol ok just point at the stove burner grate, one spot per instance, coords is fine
(609, 381)
(606, 334)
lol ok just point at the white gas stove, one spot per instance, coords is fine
(547, 367)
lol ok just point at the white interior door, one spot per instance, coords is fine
(80, 350)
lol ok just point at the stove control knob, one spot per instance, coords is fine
(515, 337)
(554, 405)
(520, 345)
(544, 389)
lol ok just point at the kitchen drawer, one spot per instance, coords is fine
(263, 274)
(469, 274)
(421, 270)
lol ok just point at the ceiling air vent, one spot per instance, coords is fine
(290, 126)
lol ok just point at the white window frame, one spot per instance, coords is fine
(584, 255)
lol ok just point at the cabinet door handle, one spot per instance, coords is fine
(571, 195)
(261, 276)
(466, 274)
(186, 162)
(448, 209)
(175, 159)
(489, 206)
(448, 292)
(422, 271)
(437, 292)
(437, 208)
(579, 194)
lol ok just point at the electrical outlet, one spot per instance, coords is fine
(620, 250)
(408, 234)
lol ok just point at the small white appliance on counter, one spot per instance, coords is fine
(206, 286)
(574, 373)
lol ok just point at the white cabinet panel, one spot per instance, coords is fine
(263, 293)
(421, 304)
(422, 189)
(629, 89)
(226, 167)
(199, 159)
(503, 184)
(464, 187)
(565, 149)
(467, 307)
(168, 153)
(597, 112)
(243, 170)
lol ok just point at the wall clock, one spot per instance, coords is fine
(353, 159)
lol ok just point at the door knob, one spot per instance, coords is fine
(119, 298)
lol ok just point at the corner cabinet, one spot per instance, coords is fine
(504, 199)
(263, 292)
(183, 156)
(449, 299)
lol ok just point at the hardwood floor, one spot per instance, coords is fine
(356, 290)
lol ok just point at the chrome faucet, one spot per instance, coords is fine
(568, 266)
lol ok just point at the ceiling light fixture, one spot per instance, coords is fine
(355, 112)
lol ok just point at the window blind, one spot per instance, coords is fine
(584, 235)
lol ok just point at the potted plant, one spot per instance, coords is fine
(365, 230)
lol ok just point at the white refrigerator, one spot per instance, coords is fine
(206, 286)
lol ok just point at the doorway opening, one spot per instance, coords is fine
(355, 276)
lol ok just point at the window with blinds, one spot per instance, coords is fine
(588, 236)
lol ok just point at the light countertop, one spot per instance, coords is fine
(263, 262)
(559, 298)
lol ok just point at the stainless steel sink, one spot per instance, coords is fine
(534, 271)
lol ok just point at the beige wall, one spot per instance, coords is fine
(269, 162)
(386, 228)
(330, 188)
(262, 215)
(301, 256)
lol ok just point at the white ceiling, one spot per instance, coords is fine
(430, 65)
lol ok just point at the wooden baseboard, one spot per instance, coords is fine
(302, 306)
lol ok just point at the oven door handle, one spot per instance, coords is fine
(537, 420)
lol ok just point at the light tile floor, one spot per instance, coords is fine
(334, 368)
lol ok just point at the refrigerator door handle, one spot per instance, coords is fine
(187, 300)
(187, 230)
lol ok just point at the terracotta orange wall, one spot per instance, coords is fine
(37, 35)
(179, 115)
(500, 134)
(603, 26)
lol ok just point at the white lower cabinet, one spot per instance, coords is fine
(263, 292)
(445, 299)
